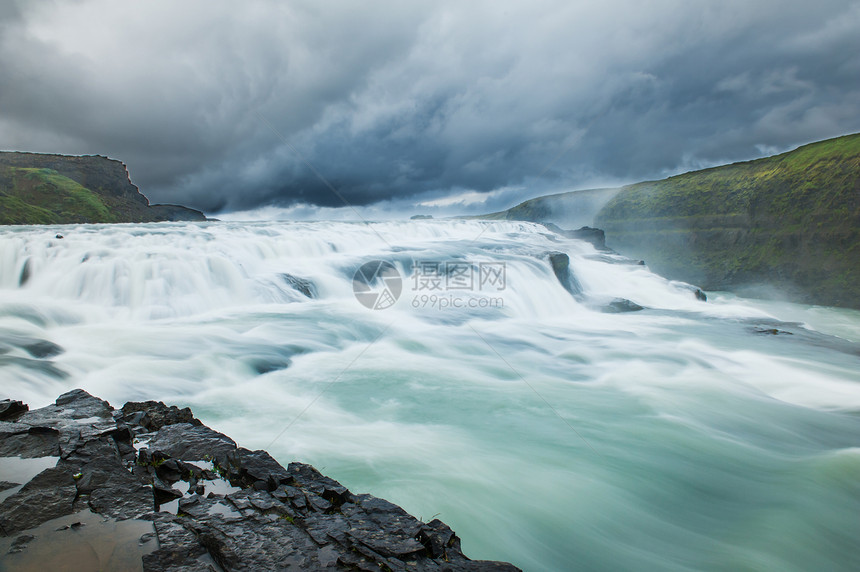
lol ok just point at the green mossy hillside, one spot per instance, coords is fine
(43, 196)
(791, 221)
(38, 188)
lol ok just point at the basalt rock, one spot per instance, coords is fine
(242, 510)
(560, 263)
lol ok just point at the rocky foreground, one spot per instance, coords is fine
(149, 487)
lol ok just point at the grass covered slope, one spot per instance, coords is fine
(60, 189)
(44, 197)
(791, 221)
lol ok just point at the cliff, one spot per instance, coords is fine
(149, 487)
(61, 189)
(789, 223)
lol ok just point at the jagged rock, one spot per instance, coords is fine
(48, 495)
(155, 414)
(28, 442)
(11, 410)
(271, 518)
(192, 443)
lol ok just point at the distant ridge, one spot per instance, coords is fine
(62, 189)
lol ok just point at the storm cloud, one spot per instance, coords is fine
(228, 106)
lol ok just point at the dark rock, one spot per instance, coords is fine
(193, 443)
(251, 467)
(11, 410)
(281, 518)
(48, 495)
(163, 492)
(84, 405)
(268, 363)
(595, 236)
(43, 349)
(156, 414)
(178, 548)
(620, 305)
(302, 285)
(29, 442)
(560, 263)
(20, 543)
(24, 277)
(771, 331)
(6, 485)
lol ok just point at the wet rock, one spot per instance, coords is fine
(193, 443)
(771, 331)
(280, 518)
(302, 285)
(20, 543)
(560, 263)
(163, 492)
(26, 271)
(153, 415)
(43, 349)
(620, 305)
(48, 495)
(29, 442)
(6, 485)
(11, 410)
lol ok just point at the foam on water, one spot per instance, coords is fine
(544, 431)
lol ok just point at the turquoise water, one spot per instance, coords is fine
(545, 432)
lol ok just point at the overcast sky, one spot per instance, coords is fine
(224, 105)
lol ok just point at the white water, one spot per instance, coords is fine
(545, 432)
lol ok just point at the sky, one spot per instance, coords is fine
(428, 107)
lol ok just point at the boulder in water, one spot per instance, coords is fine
(620, 305)
(302, 285)
(560, 263)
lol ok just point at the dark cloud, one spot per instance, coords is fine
(222, 106)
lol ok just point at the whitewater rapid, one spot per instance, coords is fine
(689, 435)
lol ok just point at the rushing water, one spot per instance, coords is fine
(685, 436)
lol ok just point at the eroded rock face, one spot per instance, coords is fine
(213, 505)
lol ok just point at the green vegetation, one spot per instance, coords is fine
(43, 196)
(38, 188)
(790, 221)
